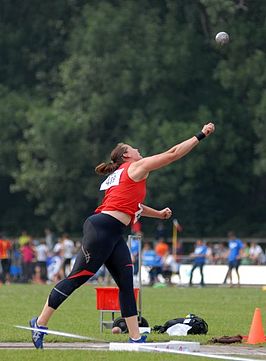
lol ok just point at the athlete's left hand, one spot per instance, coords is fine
(165, 213)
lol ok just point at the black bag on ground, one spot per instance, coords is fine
(198, 325)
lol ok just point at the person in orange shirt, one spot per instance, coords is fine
(5, 247)
(161, 248)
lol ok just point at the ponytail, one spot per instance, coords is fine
(106, 168)
(116, 160)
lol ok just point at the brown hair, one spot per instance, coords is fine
(116, 160)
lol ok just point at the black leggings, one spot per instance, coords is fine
(201, 273)
(102, 243)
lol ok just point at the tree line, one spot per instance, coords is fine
(77, 77)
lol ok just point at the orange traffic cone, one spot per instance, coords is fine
(256, 332)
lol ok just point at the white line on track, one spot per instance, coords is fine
(58, 333)
(197, 354)
(84, 346)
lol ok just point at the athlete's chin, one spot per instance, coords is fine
(138, 157)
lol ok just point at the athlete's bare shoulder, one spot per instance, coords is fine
(136, 171)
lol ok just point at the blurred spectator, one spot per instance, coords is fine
(55, 263)
(153, 262)
(234, 257)
(58, 247)
(101, 276)
(54, 269)
(68, 248)
(245, 259)
(161, 248)
(169, 267)
(15, 269)
(256, 254)
(27, 252)
(49, 239)
(23, 238)
(134, 250)
(5, 259)
(42, 252)
(220, 252)
(209, 259)
(199, 259)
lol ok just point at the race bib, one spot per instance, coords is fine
(112, 180)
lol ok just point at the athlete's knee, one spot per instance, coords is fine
(62, 290)
(125, 278)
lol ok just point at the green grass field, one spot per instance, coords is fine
(228, 311)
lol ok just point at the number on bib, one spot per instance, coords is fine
(112, 180)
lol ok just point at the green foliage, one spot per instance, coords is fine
(15, 210)
(32, 41)
(54, 160)
(13, 121)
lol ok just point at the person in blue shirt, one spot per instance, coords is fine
(235, 246)
(134, 250)
(153, 262)
(199, 258)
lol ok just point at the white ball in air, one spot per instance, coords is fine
(222, 38)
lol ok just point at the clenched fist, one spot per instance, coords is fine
(208, 129)
(165, 213)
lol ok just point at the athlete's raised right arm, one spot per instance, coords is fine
(140, 169)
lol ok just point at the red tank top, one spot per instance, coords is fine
(123, 194)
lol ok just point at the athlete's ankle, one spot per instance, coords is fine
(135, 339)
(39, 323)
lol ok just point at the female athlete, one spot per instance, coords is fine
(103, 243)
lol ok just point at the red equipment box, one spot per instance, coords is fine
(107, 298)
